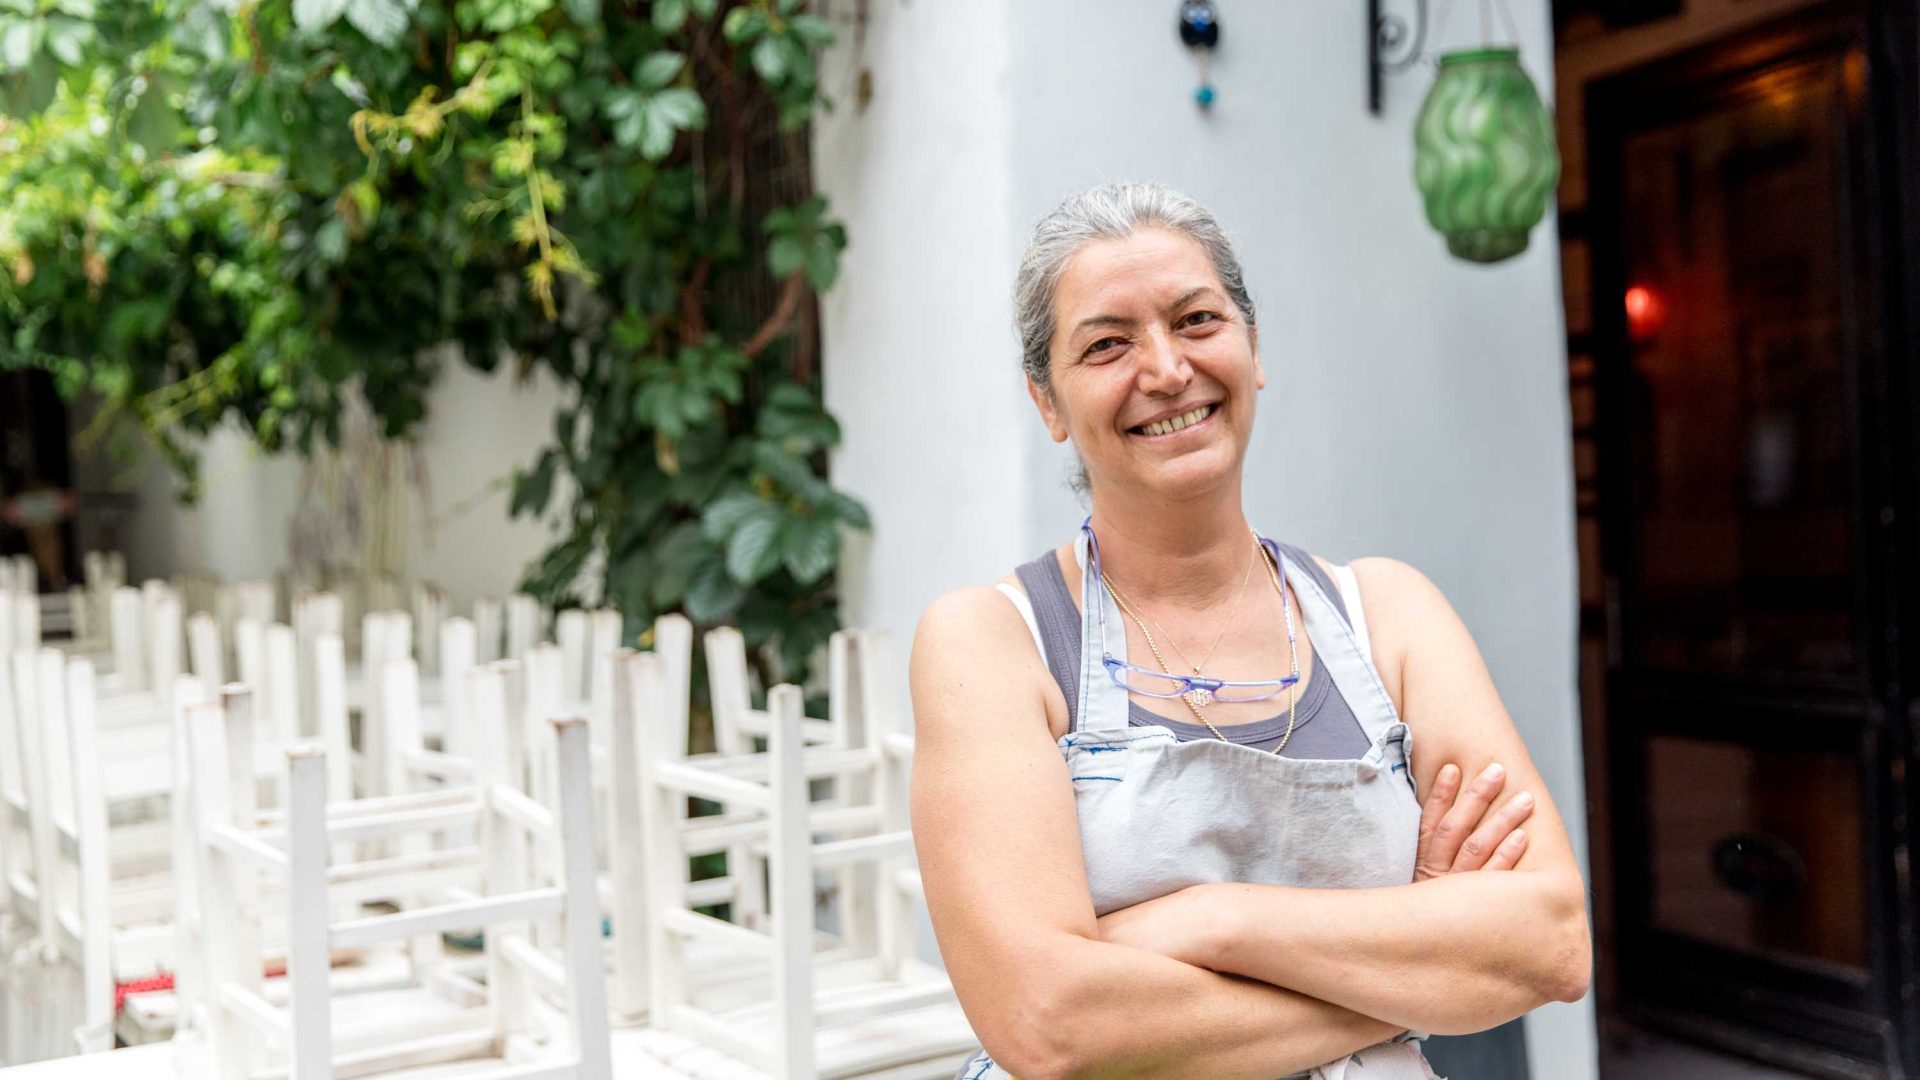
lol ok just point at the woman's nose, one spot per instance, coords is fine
(1163, 371)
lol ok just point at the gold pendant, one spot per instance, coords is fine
(1199, 697)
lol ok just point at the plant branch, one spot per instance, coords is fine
(783, 312)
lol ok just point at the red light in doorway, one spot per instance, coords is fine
(1646, 313)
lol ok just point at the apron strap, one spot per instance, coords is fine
(1102, 705)
(1340, 652)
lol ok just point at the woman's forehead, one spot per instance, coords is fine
(1150, 266)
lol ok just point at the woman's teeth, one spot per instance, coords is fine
(1169, 426)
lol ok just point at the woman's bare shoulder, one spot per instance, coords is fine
(1402, 607)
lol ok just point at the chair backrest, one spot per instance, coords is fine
(163, 617)
(525, 624)
(869, 849)
(128, 617)
(237, 853)
(314, 614)
(459, 652)
(430, 609)
(604, 628)
(729, 689)
(571, 633)
(487, 617)
(206, 649)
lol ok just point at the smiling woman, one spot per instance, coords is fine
(1218, 866)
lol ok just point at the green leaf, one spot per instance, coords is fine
(584, 12)
(770, 59)
(809, 549)
(681, 107)
(669, 15)
(653, 121)
(682, 556)
(531, 490)
(315, 15)
(67, 39)
(823, 264)
(153, 123)
(811, 29)
(657, 406)
(785, 255)
(30, 93)
(714, 596)
(627, 110)
(850, 510)
(330, 241)
(751, 551)
(383, 21)
(20, 41)
(659, 69)
(725, 515)
(705, 8)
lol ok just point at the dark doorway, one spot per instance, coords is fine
(1748, 208)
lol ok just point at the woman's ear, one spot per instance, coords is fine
(1259, 373)
(1049, 412)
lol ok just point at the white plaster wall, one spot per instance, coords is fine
(1416, 405)
(480, 427)
(921, 366)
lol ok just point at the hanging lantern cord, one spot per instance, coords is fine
(1487, 8)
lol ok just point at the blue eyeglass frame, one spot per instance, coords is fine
(1187, 683)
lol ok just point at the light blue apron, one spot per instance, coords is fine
(1157, 815)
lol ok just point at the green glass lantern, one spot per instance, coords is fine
(1484, 154)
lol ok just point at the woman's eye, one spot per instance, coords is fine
(1103, 345)
(1197, 318)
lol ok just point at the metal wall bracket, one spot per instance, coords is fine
(1395, 43)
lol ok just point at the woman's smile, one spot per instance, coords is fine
(1179, 425)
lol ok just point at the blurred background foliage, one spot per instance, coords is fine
(268, 210)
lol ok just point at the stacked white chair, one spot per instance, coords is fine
(99, 893)
(519, 1028)
(863, 1003)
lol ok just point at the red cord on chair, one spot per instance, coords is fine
(162, 981)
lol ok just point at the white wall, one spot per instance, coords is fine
(479, 429)
(920, 366)
(1416, 405)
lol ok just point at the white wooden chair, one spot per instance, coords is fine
(526, 623)
(24, 1034)
(487, 615)
(852, 1016)
(738, 728)
(99, 894)
(519, 1029)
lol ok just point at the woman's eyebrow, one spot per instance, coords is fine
(1180, 301)
(1103, 320)
(1192, 294)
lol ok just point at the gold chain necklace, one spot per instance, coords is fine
(1200, 699)
(1293, 651)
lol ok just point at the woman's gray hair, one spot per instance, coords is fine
(1108, 212)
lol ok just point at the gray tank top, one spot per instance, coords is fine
(1158, 813)
(1325, 727)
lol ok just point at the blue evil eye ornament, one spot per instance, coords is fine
(1200, 32)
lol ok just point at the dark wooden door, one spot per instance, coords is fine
(1749, 219)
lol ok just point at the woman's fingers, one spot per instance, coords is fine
(1439, 800)
(1477, 852)
(1507, 855)
(1459, 822)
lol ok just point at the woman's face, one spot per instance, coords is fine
(1154, 369)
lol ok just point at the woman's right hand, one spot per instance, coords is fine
(1463, 830)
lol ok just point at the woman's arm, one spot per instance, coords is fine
(1454, 954)
(999, 848)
